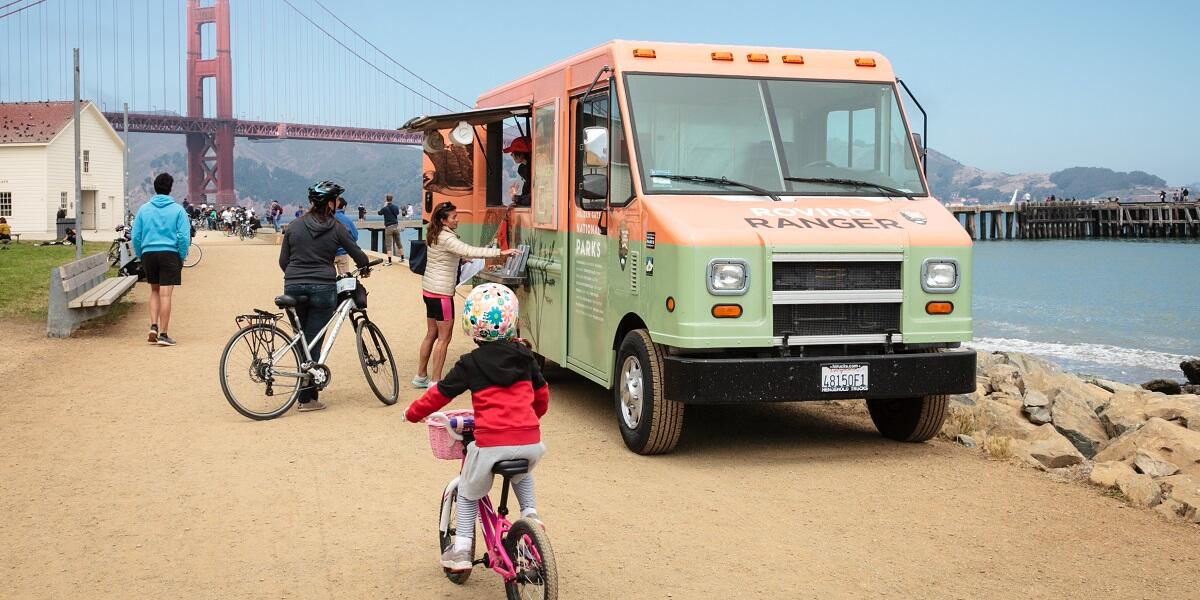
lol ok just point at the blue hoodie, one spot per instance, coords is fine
(161, 226)
(341, 216)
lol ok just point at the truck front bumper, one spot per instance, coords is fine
(742, 380)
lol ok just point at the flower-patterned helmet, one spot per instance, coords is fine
(490, 313)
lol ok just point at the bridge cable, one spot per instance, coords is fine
(18, 9)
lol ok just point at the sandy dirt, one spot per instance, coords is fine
(127, 475)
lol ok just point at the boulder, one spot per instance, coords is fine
(985, 360)
(1110, 386)
(1190, 388)
(1035, 399)
(983, 385)
(1183, 409)
(1095, 396)
(1047, 446)
(1075, 418)
(1140, 489)
(997, 418)
(1106, 474)
(1181, 495)
(1165, 386)
(1168, 441)
(1007, 399)
(966, 440)
(1191, 370)
(1005, 377)
(1039, 415)
(1128, 410)
(1035, 373)
(1152, 465)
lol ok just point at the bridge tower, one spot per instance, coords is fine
(210, 156)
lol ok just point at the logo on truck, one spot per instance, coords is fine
(823, 218)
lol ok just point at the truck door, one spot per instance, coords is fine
(589, 343)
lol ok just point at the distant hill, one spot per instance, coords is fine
(283, 170)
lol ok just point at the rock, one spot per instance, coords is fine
(985, 361)
(1106, 474)
(1165, 386)
(1005, 376)
(1007, 399)
(1075, 418)
(1152, 465)
(966, 440)
(1169, 441)
(1183, 409)
(1039, 415)
(1035, 399)
(983, 385)
(1110, 386)
(1140, 489)
(964, 400)
(1035, 373)
(1191, 370)
(1047, 446)
(1182, 495)
(1191, 388)
(997, 418)
(1062, 383)
(1128, 410)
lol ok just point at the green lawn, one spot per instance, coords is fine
(25, 275)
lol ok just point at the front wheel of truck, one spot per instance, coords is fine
(909, 419)
(649, 422)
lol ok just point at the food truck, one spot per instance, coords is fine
(707, 223)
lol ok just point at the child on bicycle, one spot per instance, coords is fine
(509, 396)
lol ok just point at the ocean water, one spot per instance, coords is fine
(1124, 310)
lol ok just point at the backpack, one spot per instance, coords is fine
(416, 256)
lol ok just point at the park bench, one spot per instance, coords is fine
(80, 291)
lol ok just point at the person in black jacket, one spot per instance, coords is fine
(306, 258)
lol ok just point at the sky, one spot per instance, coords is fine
(1011, 86)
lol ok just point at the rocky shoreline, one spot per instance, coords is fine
(1141, 443)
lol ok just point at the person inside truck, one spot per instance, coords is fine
(519, 148)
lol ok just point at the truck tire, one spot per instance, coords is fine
(649, 422)
(909, 419)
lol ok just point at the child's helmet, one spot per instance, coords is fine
(490, 313)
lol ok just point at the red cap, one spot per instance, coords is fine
(520, 144)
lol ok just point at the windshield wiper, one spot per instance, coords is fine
(721, 181)
(891, 191)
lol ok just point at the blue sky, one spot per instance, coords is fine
(1012, 86)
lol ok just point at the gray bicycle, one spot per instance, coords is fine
(263, 367)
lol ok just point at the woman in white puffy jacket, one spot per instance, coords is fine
(442, 259)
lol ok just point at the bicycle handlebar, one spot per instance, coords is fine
(442, 420)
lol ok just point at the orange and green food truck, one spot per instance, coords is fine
(718, 224)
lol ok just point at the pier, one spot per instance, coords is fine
(1080, 220)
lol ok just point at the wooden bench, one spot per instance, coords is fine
(80, 291)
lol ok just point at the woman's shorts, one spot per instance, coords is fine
(439, 308)
(476, 478)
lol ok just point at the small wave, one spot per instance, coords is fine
(1092, 353)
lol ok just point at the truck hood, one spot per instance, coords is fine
(696, 220)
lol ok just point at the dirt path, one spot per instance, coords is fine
(125, 474)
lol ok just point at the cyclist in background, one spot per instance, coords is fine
(306, 258)
(509, 396)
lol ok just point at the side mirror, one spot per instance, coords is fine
(593, 191)
(595, 146)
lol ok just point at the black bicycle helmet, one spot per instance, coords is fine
(326, 191)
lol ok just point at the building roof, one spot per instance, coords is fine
(34, 122)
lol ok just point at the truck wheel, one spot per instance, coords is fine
(649, 423)
(909, 419)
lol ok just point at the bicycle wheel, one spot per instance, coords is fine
(446, 537)
(253, 386)
(114, 254)
(377, 362)
(528, 547)
(194, 256)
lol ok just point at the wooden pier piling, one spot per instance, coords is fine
(1080, 220)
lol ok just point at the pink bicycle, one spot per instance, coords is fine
(520, 552)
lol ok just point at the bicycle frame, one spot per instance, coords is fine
(339, 317)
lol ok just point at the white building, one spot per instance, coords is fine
(37, 169)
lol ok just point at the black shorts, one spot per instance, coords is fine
(439, 308)
(162, 268)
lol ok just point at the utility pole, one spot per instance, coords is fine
(125, 164)
(78, 173)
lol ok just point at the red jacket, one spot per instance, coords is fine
(508, 393)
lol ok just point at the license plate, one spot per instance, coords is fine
(844, 378)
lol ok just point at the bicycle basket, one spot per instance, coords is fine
(440, 442)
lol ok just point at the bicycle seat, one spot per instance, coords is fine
(508, 468)
(286, 301)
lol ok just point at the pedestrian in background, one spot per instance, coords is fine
(391, 230)
(160, 237)
(341, 260)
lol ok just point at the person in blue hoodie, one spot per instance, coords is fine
(161, 236)
(341, 260)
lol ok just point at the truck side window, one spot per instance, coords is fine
(590, 112)
(621, 185)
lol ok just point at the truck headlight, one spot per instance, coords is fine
(728, 277)
(939, 275)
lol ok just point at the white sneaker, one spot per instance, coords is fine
(420, 382)
(456, 560)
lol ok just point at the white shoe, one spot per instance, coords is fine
(420, 382)
(456, 560)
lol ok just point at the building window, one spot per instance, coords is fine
(87, 160)
(5, 204)
(62, 200)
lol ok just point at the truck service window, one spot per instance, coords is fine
(762, 131)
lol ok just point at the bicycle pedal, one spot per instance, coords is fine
(483, 560)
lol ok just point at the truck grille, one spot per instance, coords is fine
(836, 319)
(826, 276)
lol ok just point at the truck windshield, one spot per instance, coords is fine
(781, 135)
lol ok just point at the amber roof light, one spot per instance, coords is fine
(757, 57)
(644, 53)
(722, 56)
(864, 62)
(793, 59)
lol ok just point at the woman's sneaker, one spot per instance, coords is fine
(456, 560)
(311, 405)
(152, 337)
(165, 340)
(420, 382)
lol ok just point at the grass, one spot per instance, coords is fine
(998, 446)
(959, 421)
(25, 276)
